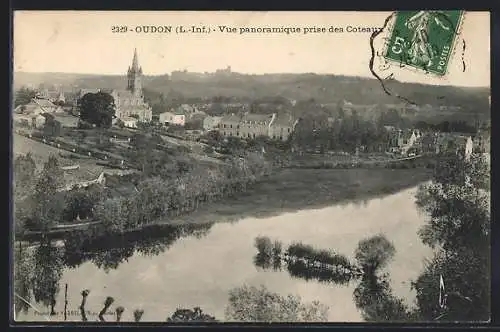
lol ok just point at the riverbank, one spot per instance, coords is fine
(290, 190)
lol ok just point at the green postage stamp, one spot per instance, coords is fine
(424, 39)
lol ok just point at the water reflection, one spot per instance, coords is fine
(372, 295)
(39, 269)
(305, 262)
(108, 252)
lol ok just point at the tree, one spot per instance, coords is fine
(24, 96)
(374, 297)
(457, 203)
(97, 108)
(47, 205)
(113, 213)
(24, 174)
(49, 267)
(190, 315)
(374, 253)
(252, 304)
(80, 202)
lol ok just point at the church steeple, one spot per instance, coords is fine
(135, 61)
(134, 76)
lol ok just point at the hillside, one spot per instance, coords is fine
(325, 89)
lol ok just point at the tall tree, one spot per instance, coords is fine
(23, 96)
(97, 108)
(455, 285)
(48, 206)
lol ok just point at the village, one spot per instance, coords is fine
(153, 182)
(52, 118)
(49, 123)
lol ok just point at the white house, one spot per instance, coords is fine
(130, 122)
(169, 118)
(469, 145)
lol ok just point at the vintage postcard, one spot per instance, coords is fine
(251, 166)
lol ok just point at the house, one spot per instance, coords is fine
(482, 141)
(52, 127)
(77, 179)
(468, 147)
(39, 121)
(211, 122)
(282, 126)
(171, 118)
(253, 125)
(52, 96)
(455, 143)
(187, 110)
(67, 120)
(407, 140)
(37, 106)
(402, 140)
(427, 143)
(23, 120)
(129, 122)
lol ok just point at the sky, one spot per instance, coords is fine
(83, 42)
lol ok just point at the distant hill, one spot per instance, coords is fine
(325, 89)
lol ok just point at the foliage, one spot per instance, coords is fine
(24, 174)
(373, 296)
(46, 273)
(467, 287)
(81, 202)
(97, 108)
(23, 96)
(190, 315)
(374, 253)
(346, 133)
(113, 214)
(447, 127)
(46, 206)
(22, 279)
(457, 204)
(252, 304)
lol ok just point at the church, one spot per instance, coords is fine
(130, 102)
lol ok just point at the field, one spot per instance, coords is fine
(40, 152)
(88, 169)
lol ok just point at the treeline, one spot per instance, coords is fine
(447, 127)
(170, 185)
(159, 198)
(345, 133)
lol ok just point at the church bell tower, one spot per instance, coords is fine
(134, 77)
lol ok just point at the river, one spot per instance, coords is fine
(200, 270)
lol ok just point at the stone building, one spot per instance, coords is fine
(130, 102)
(251, 125)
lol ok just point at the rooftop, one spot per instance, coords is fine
(257, 117)
(285, 120)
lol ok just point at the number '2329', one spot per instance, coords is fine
(119, 28)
